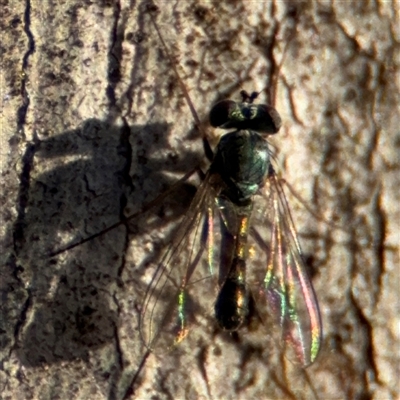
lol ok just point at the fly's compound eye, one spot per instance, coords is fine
(220, 114)
(267, 120)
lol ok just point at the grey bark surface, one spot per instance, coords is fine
(94, 125)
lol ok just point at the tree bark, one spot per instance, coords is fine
(95, 125)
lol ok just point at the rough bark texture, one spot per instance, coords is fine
(94, 125)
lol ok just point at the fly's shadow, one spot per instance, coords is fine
(75, 183)
(87, 191)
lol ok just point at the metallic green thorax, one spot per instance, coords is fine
(242, 161)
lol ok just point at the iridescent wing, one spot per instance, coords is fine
(284, 296)
(170, 308)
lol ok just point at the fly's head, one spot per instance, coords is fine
(229, 114)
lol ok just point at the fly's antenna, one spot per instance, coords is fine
(248, 98)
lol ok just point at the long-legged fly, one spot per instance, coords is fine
(237, 240)
(236, 243)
